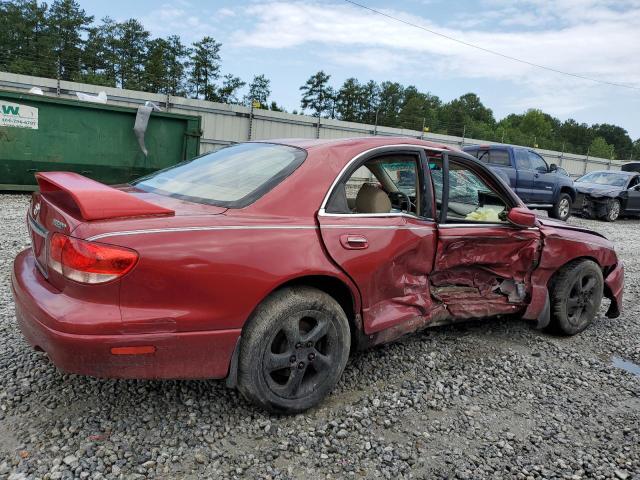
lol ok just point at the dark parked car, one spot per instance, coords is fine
(608, 194)
(537, 183)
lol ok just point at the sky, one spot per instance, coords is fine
(289, 40)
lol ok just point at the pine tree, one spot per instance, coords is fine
(259, 91)
(228, 92)
(131, 51)
(317, 95)
(67, 24)
(205, 68)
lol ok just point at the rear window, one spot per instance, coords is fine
(232, 177)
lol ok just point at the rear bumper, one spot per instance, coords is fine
(613, 289)
(177, 355)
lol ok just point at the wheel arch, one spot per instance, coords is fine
(574, 260)
(570, 191)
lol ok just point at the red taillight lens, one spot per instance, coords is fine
(89, 262)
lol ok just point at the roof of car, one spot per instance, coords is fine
(366, 142)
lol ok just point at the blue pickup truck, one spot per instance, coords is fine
(538, 184)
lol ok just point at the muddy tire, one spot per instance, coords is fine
(613, 210)
(576, 294)
(562, 209)
(293, 350)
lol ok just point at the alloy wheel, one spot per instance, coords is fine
(581, 303)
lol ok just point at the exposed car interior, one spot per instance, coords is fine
(384, 184)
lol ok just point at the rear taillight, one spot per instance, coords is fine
(89, 262)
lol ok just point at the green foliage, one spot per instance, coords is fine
(317, 95)
(600, 148)
(205, 68)
(228, 92)
(259, 91)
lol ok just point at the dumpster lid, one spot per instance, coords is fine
(94, 200)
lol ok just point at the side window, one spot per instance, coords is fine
(386, 184)
(537, 163)
(522, 160)
(634, 182)
(483, 155)
(500, 158)
(470, 198)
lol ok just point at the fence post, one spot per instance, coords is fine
(375, 127)
(464, 132)
(561, 155)
(318, 128)
(251, 120)
(422, 132)
(586, 161)
(58, 73)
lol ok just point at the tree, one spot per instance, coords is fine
(418, 109)
(68, 23)
(205, 68)
(259, 91)
(275, 107)
(351, 101)
(99, 58)
(25, 39)
(131, 52)
(616, 136)
(390, 103)
(165, 66)
(228, 92)
(317, 95)
(601, 149)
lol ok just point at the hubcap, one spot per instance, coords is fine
(615, 210)
(563, 208)
(300, 355)
(581, 303)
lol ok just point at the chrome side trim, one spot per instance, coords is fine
(202, 229)
(539, 205)
(37, 228)
(367, 152)
(323, 213)
(381, 227)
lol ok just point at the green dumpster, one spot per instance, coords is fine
(39, 133)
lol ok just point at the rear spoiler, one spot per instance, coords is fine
(94, 200)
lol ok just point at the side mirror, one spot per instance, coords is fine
(553, 167)
(522, 217)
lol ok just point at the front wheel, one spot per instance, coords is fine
(576, 294)
(613, 210)
(293, 350)
(562, 209)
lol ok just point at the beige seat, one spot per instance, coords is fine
(371, 199)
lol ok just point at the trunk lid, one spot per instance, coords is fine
(67, 200)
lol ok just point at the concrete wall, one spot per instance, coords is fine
(223, 124)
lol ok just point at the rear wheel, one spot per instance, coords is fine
(294, 350)
(562, 209)
(576, 294)
(613, 210)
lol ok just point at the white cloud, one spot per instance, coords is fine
(594, 38)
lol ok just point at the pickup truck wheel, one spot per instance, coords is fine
(293, 350)
(562, 209)
(613, 210)
(576, 294)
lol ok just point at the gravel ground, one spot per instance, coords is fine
(490, 399)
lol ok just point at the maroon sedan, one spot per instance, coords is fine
(266, 263)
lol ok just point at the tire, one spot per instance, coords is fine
(562, 209)
(576, 294)
(293, 350)
(613, 210)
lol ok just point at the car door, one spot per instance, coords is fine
(376, 228)
(483, 264)
(525, 180)
(544, 181)
(633, 195)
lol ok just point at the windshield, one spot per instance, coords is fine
(232, 177)
(604, 178)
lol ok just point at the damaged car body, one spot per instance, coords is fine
(608, 194)
(266, 263)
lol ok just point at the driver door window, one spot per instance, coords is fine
(471, 199)
(537, 163)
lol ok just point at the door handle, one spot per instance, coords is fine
(354, 242)
(537, 175)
